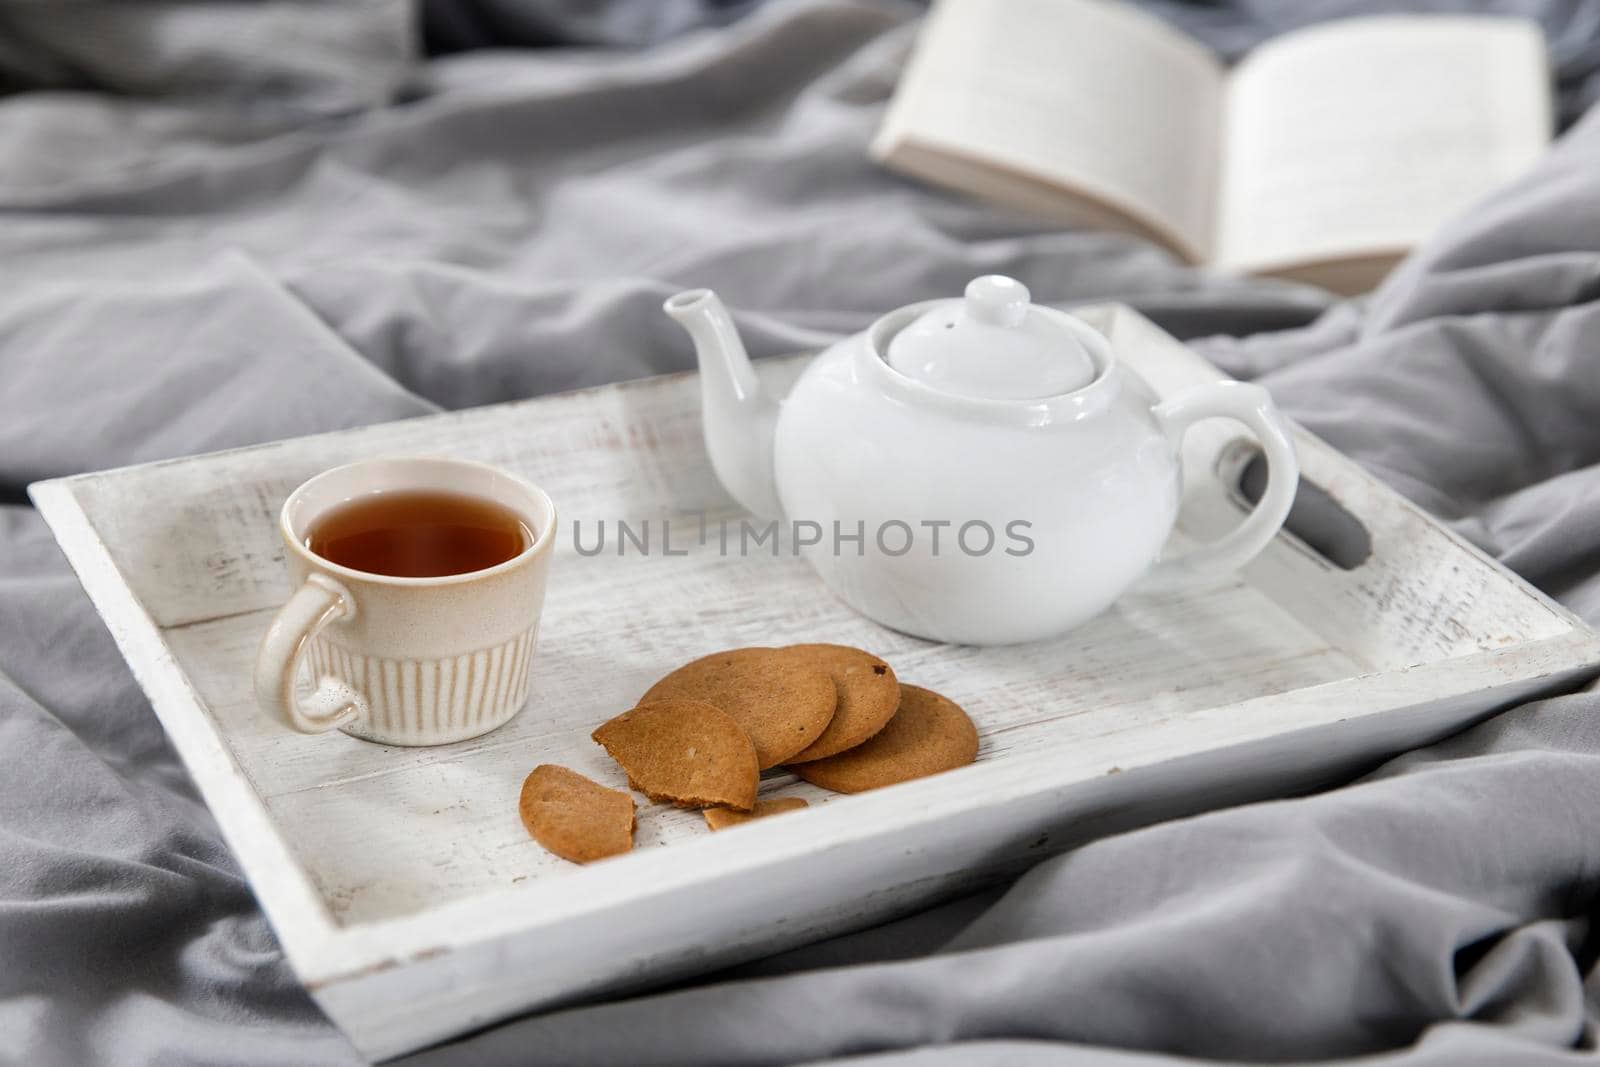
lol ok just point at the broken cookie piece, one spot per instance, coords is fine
(575, 818)
(684, 752)
(783, 702)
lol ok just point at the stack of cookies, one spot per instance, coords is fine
(700, 738)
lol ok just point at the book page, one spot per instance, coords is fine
(1082, 95)
(1358, 139)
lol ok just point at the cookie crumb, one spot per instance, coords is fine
(722, 818)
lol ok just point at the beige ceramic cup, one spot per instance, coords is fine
(406, 661)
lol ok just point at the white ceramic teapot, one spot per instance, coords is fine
(980, 470)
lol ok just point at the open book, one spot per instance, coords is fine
(1325, 155)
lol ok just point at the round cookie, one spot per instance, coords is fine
(684, 752)
(927, 735)
(868, 694)
(577, 819)
(722, 818)
(782, 703)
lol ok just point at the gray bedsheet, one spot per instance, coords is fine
(226, 223)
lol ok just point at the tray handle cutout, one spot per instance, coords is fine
(1316, 518)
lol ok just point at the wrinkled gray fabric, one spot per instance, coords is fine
(457, 25)
(297, 56)
(181, 273)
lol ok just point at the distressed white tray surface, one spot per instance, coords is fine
(414, 906)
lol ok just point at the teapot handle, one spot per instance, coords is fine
(1251, 405)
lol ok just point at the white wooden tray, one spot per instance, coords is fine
(412, 903)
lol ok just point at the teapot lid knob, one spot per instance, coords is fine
(992, 344)
(997, 300)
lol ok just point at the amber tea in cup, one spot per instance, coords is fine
(419, 534)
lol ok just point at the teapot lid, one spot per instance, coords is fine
(993, 344)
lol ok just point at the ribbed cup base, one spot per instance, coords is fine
(431, 701)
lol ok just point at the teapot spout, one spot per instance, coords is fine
(738, 413)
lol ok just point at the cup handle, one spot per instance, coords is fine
(1251, 405)
(318, 602)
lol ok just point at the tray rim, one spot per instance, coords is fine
(325, 952)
